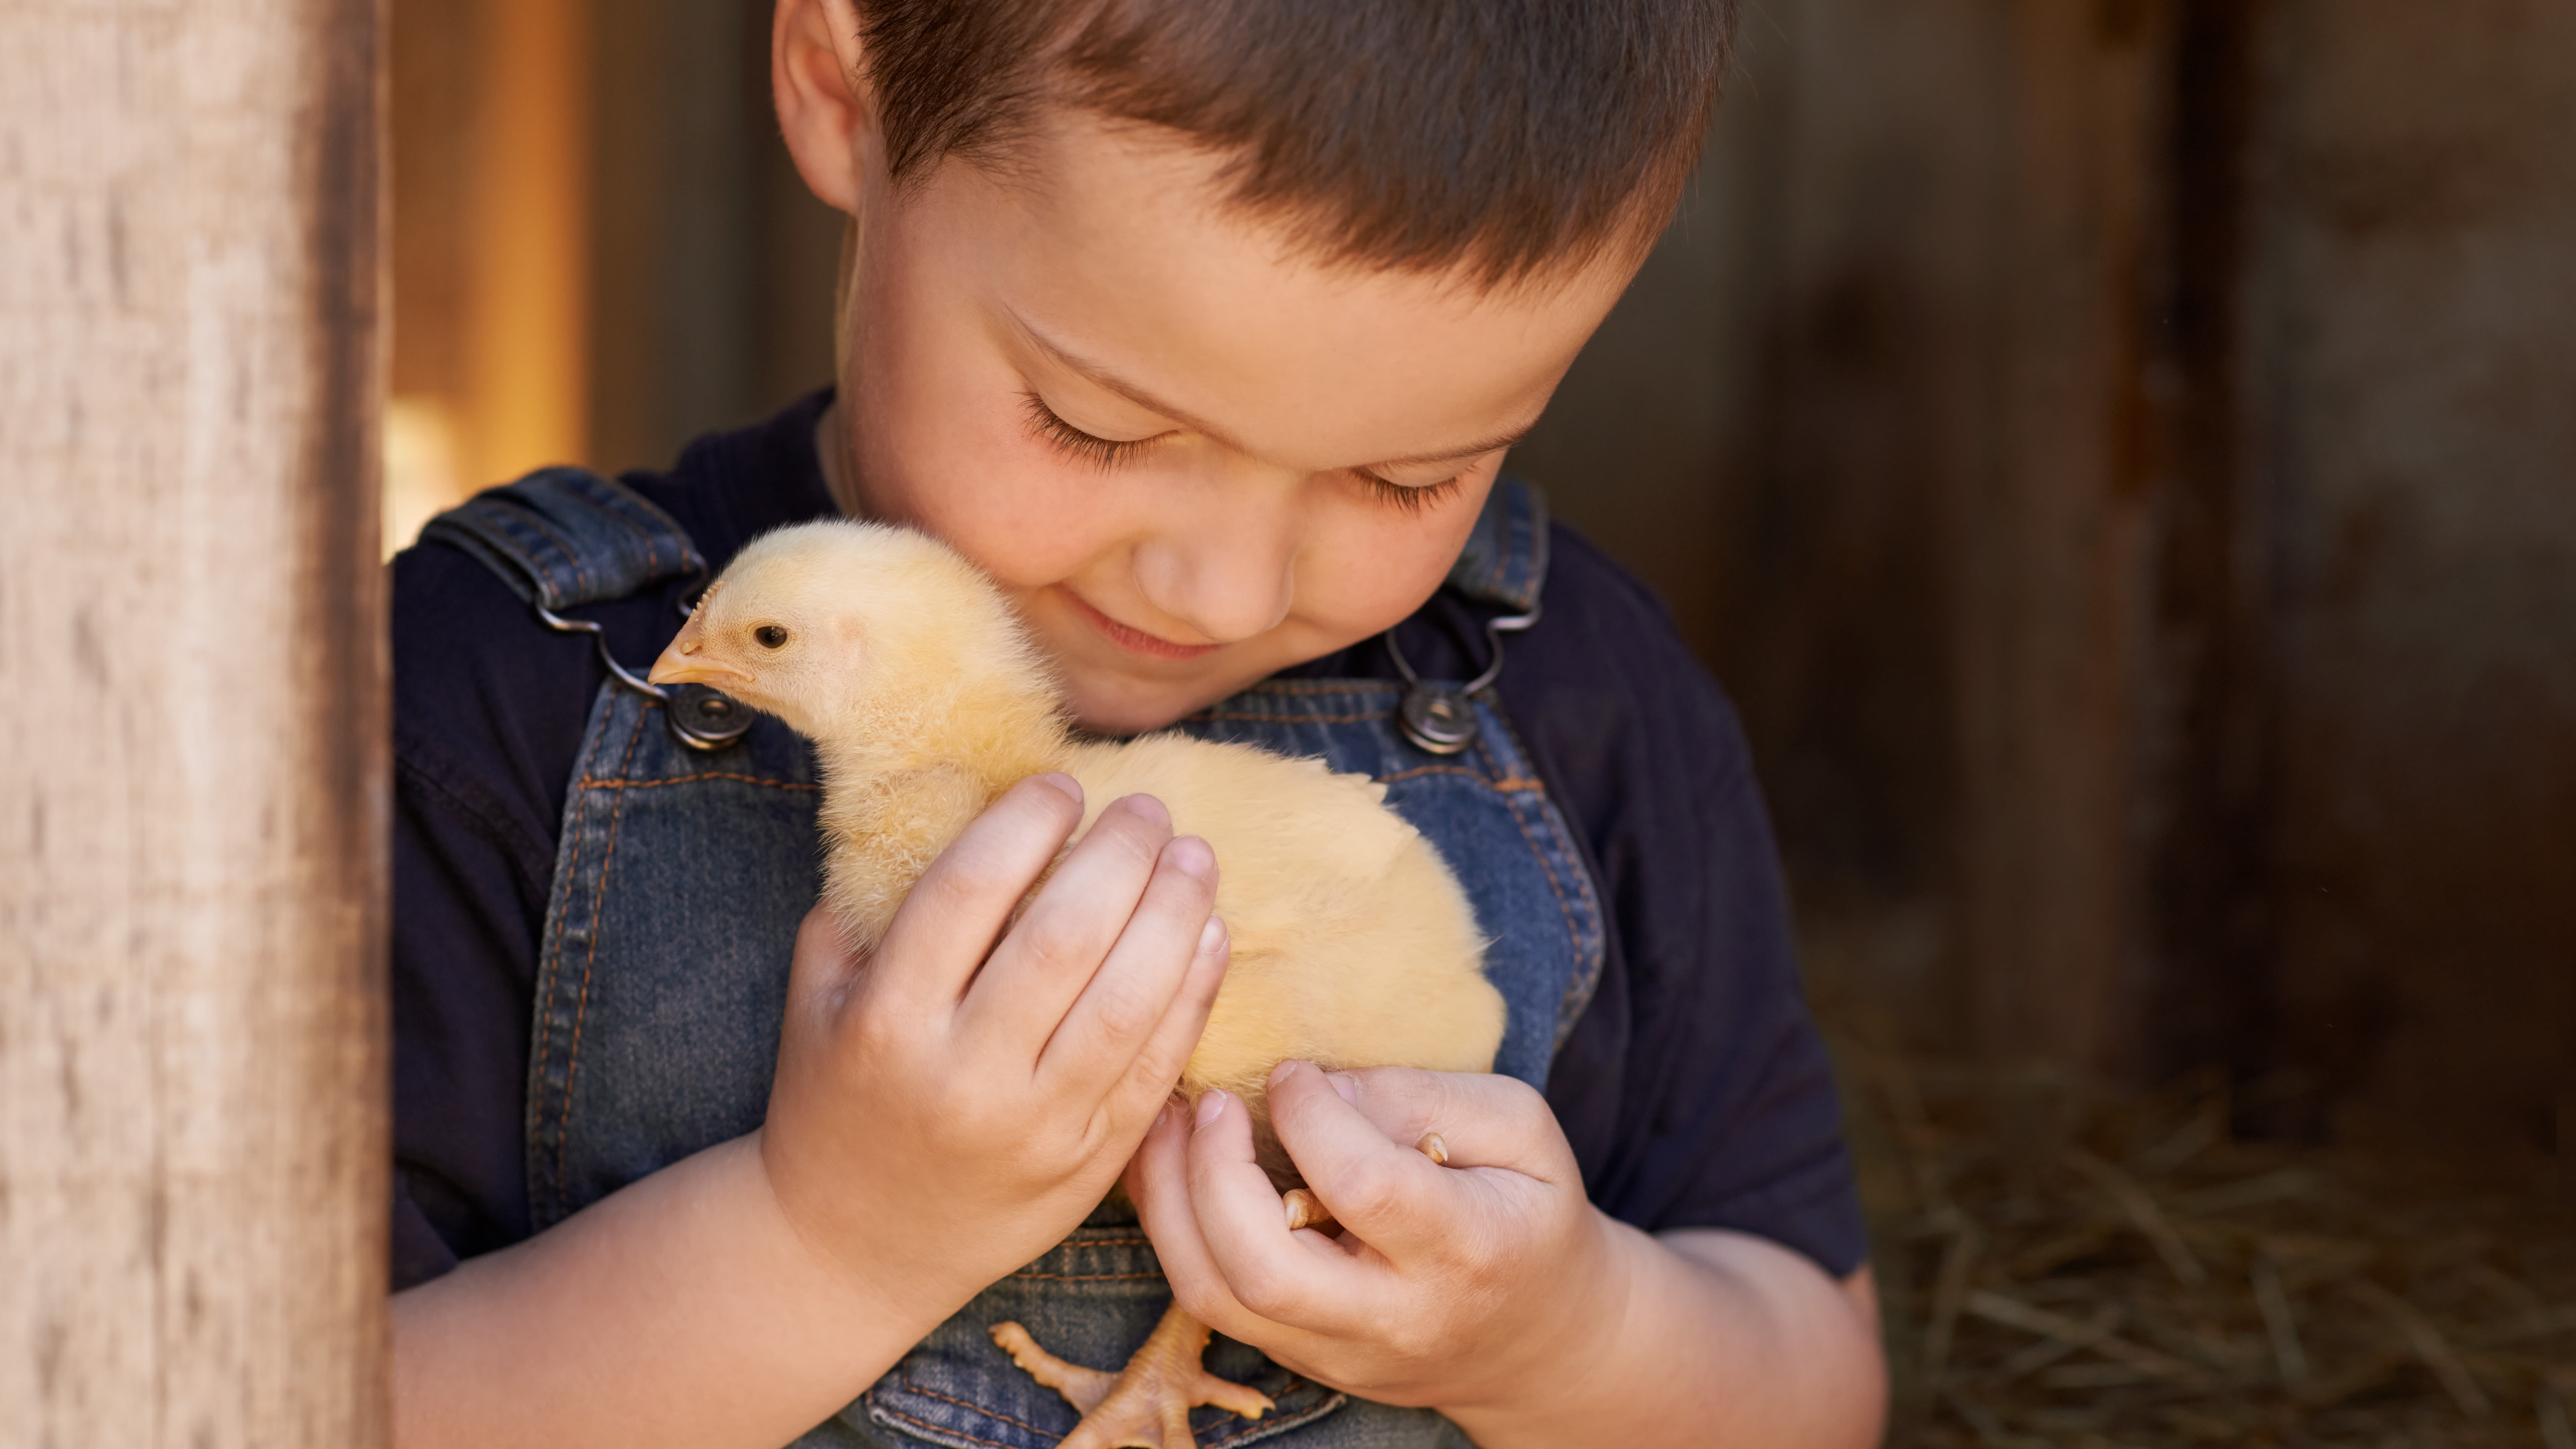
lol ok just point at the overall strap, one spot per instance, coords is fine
(563, 537)
(1505, 561)
(1503, 566)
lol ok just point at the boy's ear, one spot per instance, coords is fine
(826, 106)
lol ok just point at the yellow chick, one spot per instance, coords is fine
(1353, 944)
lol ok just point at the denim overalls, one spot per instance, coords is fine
(684, 870)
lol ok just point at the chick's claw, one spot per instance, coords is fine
(1303, 1211)
(1145, 1405)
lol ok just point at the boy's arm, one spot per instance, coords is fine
(1726, 1339)
(685, 1309)
(1491, 1289)
(938, 1119)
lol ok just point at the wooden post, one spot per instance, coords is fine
(192, 733)
(2052, 544)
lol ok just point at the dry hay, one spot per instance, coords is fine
(2063, 1268)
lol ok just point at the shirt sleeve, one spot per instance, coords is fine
(490, 710)
(488, 717)
(1695, 1087)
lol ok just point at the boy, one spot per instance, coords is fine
(1203, 327)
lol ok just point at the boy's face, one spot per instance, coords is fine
(1192, 457)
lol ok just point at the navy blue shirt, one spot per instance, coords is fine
(1694, 1088)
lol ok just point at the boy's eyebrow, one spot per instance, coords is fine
(1140, 397)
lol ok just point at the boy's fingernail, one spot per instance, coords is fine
(1346, 1085)
(1211, 1103)
(1212, 936)
(1147, 807)
(1191, 856)
(1071, 787)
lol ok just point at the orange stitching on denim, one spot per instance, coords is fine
(1419, 771)
(1591, 888)
(1589, 967)
(1320, 686)
(1555, 887)
(1354, 685)
(912, 1385)
(581, 1008)
(895, 1413)
(1508, 784)
(571, 555)
(1242, 718)
(549, 978)
(589, 783)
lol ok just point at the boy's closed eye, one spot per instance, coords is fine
(1105, 453)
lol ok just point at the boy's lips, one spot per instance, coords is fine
(1137, 640)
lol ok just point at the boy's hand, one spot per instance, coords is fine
(1453, 1285)
(949, 1108)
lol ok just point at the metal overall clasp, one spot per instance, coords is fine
(1440, 717)
(700, 718)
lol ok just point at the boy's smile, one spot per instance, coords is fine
(1193, 455)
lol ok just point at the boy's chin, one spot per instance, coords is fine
(1135, 707)
(1115, 701)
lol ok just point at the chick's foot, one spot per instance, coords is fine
(1145, 1405)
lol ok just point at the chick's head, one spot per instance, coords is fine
(823, 623)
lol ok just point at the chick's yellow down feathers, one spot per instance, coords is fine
(1353, 944)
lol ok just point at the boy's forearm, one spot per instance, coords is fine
(683, 1310)
(1720, 1340)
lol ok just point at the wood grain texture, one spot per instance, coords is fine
(2050, 539)
(192, 797)
(2116, 453)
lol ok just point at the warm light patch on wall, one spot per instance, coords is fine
(491, 131)
(422, 478)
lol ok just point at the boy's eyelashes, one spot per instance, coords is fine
(1105, 453)
(1073, 442)
(1412, 498)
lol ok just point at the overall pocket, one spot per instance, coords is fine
(1091, 1300)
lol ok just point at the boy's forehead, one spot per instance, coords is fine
(1117, 247)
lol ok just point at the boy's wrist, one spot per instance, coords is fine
(876, 1293)
(1571, 1340)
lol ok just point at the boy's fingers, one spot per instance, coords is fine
(1052, 952)
(1303, 1280)
(944, 927)
(1482, 1120)
(822, 967)
(1128, 1001)
(1156, 1068)
(1382, 1188)
(1157, 1181)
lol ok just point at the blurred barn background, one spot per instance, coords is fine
(2120, 455)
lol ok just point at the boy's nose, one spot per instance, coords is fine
(1228, 581)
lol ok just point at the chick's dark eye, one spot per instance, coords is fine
(770, 636)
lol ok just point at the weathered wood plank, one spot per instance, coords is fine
(2050, 539)
(192, 1120)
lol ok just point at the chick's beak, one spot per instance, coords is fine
(686, 662)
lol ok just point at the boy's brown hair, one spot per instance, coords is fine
(1505, 136)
